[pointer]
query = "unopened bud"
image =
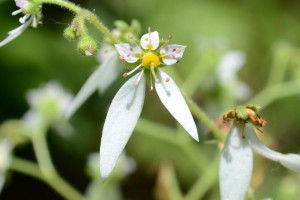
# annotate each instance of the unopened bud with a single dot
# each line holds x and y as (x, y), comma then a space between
(87, 46)
(121, 25)
(70, 33)
(136, 27)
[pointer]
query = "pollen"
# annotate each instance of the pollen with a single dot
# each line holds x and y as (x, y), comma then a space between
(150, 59)
(163, 55)
(149, 47)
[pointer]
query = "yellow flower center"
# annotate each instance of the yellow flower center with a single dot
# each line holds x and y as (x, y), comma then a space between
(150, 59)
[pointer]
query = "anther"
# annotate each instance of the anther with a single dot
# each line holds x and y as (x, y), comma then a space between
(130, 36)
(139, 78)
(151, 89)
(170, 37)
(125, 75)
(167, 79)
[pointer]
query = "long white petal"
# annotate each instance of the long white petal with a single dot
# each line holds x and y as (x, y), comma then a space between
(290, 161)
(120, 121)
(236, 165)
(173, 100)
(110, 72)
(14, 33)
(2, 182)
(101, 78)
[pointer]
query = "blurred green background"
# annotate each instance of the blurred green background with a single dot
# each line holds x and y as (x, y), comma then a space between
(268, 32)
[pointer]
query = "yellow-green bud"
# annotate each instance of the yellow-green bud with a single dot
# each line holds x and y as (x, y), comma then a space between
(70, 33)
(121, 25)
(87, 46)
(136, 27)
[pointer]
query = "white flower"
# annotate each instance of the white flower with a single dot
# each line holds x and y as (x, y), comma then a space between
(230, 63)
(106, 73)
(127, 105)
(49, 102)
(26, 21)
(237, 161)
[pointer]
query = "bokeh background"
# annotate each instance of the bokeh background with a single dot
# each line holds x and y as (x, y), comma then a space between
(266, 32)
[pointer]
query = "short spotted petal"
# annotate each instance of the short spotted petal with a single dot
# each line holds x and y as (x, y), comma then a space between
(150, 41)
(171, 54)
(130, 53)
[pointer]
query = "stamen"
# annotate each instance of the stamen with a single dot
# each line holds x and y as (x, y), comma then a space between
(153, 72)
(16, 12)
(130, 72)
(34, 23)
(24, 18)
(170, 37)
(139, 78)
(151, 84)
(167, 79)
(130, 36)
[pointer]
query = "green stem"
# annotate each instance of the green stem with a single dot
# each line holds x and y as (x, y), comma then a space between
(274, 92)
(48, 170)
(154, 130)
(42, 153)
(58, 184)
(205, 181)
(201, 116)
(88, 15)
(26, 167)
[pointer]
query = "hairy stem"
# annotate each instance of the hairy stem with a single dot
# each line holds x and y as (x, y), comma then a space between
(88, 15)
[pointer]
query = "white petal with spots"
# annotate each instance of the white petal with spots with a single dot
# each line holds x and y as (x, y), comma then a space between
(173, 100)
(130, 53)
(150, 41)
(171, 54)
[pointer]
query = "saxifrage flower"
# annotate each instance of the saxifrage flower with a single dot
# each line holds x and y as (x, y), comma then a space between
(148, 56)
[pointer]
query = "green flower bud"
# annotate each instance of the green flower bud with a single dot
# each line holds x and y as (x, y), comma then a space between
(15, 130)
(70, 33)
(135, 27)
(87, 46)
(121, 25)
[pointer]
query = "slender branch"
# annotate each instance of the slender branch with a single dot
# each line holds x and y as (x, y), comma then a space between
(205, 181)
(88, 15)
(274, 92)
(48, 170)
(201, 116)
(58, 184)
(26, 167)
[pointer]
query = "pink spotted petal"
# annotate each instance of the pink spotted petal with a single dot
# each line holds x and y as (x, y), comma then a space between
(150, 41)
(171, 54)
(130, 53)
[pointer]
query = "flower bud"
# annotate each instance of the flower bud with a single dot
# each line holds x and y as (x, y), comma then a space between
(121, 25)
(136, 27)
(70, 33)
(87, 46)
